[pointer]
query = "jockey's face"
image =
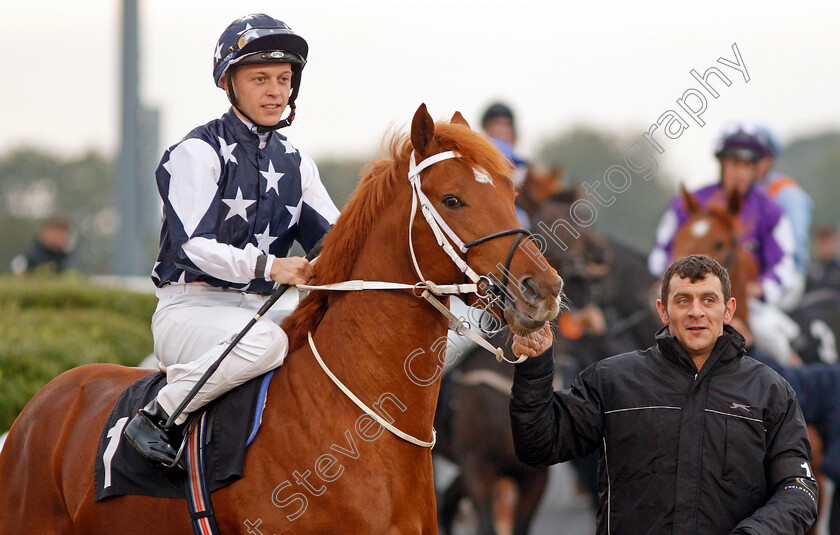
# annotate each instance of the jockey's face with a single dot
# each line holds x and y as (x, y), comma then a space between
(262, 90)
(696, 313)
(501, 128)
(736, 174)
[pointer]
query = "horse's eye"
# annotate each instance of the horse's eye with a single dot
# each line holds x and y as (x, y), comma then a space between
(452, 202)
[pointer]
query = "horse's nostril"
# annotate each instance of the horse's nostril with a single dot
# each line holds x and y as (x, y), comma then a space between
(530, 290)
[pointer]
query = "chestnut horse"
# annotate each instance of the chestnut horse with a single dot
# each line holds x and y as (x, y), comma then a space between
(319, 465)
(716, 231)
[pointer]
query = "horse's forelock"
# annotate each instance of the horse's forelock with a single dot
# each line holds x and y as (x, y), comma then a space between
(473, 148)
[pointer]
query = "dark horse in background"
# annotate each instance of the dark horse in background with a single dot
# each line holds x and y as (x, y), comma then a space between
(716, 231)
(608, 313)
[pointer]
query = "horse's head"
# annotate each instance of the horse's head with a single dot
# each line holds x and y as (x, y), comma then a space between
(446, 188)
(540, 185)
(716, 231)
(472, 194)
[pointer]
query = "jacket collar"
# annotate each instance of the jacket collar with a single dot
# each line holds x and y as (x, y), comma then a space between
(729, 346)
(245, 132)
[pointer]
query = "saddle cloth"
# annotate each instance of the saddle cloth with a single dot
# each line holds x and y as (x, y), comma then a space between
(121, 470)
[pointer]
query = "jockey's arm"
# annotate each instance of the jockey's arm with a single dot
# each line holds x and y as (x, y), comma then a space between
(660, 256)
(779, 274)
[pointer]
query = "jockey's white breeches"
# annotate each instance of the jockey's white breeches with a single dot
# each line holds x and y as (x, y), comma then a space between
(192, 326)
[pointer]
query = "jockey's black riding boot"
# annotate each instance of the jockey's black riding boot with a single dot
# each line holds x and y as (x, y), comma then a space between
(146, 432)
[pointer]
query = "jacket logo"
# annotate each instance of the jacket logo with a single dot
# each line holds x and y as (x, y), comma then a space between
(740, 406)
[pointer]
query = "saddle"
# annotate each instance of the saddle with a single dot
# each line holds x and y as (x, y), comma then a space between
(121, 470)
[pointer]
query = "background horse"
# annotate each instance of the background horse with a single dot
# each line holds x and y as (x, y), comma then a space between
(603, 279)
(364, 480)
(715, 231)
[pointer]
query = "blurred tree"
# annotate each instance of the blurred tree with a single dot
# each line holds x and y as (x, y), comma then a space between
(340, 176)
(586, 154)
(34, 185)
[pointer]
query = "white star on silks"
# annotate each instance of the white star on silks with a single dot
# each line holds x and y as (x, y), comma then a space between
(218, 54)
(272, 178)
(227, 151)
(154, 271)
(238, 206)
(265, 239)
(289, 148)
(295, 211)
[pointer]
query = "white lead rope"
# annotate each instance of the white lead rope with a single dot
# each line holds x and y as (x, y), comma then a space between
(463, 329)
(359, 403)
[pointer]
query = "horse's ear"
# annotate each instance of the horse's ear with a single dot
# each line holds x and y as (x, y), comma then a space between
(692, 206)
(459, 119)
(422, 130)
(735, 202)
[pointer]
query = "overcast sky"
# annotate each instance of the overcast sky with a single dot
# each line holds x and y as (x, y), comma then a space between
(615, 65)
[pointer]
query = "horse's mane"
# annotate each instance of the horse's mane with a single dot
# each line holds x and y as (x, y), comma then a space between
(373, 193)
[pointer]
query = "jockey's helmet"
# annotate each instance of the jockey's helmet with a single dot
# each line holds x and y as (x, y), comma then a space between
(497, 110)
(259, 38)
(742, 142)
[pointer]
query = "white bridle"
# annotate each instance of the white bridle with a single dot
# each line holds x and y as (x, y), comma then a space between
(441, 231)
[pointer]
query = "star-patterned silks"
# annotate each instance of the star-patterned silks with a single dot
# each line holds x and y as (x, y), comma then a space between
(265, 239)
(272, 178)
(295, 211)
(289, 148)
(221, 172)
(238, 205)
(227, 151)
(154, 271)
(218, 54)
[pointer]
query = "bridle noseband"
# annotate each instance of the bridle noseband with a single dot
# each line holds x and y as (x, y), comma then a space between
(440, 227)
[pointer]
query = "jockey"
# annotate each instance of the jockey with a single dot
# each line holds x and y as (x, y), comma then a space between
(236, 194)
(499, 125)
(793, 199)
(768, 234)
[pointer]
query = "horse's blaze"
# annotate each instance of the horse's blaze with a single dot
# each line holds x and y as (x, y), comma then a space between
(700, 228)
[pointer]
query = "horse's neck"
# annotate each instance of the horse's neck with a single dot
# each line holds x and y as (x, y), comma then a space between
(380, 343)
(387, 341)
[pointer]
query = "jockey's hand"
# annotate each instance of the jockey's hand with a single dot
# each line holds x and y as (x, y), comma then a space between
(534, 344)
(292, 270)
